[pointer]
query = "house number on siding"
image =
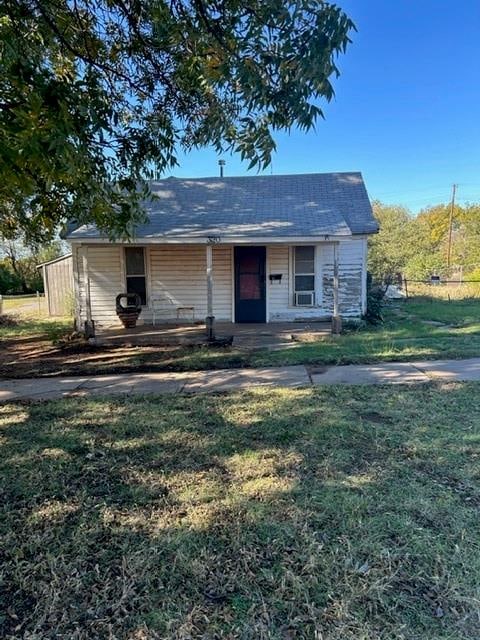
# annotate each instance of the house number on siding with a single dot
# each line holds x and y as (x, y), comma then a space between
(213, 239)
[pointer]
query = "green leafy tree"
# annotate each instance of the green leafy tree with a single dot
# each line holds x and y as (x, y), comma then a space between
(436, 220)
(9, 282)
(424, 264)
(466, 244)
(417, 246)
(18, 264)
(50, 251)
(391, 248)
(99, 95)
(433, 225)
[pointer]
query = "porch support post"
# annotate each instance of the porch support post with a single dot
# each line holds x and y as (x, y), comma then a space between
(89, 324)
(210, 320)
(336, 319)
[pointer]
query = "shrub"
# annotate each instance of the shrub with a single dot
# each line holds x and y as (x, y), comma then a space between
(421, 267)
(7, 321)
(9, 282)
(375, 301)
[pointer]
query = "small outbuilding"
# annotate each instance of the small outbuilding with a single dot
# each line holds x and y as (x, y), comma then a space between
(58, 285)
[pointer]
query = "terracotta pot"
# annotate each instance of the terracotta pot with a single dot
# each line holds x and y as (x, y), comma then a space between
(129, 312)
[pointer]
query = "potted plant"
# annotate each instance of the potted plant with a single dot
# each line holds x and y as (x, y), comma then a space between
(129, 307)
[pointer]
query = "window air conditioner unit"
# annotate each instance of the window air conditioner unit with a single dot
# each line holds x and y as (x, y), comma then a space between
(304, 298)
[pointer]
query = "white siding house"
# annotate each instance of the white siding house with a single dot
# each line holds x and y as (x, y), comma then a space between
(281, 248)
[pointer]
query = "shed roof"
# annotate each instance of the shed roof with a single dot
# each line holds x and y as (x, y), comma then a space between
(59, 259)
(283, 206)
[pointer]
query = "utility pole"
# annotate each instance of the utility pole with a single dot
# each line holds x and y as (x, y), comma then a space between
(450, 225)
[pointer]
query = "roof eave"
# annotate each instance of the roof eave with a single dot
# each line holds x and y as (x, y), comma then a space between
(220, 239)
(59, 259)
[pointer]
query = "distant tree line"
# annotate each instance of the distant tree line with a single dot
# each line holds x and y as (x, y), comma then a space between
(18, 265)
(417, 246)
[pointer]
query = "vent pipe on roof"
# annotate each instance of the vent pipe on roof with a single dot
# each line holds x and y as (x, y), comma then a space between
(221, 164)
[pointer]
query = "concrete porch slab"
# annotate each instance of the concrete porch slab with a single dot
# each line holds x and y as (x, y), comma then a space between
(249, 337)
(148, 335)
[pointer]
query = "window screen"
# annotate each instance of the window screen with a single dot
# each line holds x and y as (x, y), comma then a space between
(304, 269)
(135, 272)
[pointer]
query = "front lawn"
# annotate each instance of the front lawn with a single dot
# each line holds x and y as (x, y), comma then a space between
(340, 514)
(419, 329)
(17, 328)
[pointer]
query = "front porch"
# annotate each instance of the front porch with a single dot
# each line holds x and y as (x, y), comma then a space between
(264, 284)
(278, 335)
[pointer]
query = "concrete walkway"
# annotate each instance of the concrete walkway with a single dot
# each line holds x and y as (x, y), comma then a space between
(231, 379)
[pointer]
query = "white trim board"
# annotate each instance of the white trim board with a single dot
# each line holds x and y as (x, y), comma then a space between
(227, 241)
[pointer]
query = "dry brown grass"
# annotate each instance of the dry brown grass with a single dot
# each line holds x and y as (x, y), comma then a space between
(460, 291)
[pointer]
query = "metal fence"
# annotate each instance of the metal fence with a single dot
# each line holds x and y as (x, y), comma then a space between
(38, 298)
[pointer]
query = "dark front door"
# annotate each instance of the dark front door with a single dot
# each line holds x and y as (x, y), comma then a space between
(250, 303)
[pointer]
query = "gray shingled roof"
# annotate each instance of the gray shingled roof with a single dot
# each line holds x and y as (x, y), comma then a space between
(316, 204)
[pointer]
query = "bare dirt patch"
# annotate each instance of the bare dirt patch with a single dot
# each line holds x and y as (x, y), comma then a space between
(33, 356)
(37, 356)
(375, 417)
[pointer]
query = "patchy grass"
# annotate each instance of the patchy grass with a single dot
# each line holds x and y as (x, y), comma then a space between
(36, 329)
(339, 513)
(405, 335)
(461, 312)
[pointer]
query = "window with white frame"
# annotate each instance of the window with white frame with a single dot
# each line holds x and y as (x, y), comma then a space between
(135, 272)
(304, 276)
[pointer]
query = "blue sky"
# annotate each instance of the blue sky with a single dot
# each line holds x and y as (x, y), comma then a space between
(407, 107)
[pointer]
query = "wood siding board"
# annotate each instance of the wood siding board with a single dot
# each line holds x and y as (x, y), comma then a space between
(351, 272)
(106, 283)
(177, 274)
(58, 281)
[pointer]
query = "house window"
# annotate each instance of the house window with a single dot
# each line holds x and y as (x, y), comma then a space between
(135, 273)
(304, 276)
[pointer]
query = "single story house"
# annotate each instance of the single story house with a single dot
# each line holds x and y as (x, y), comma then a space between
(242, 249)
